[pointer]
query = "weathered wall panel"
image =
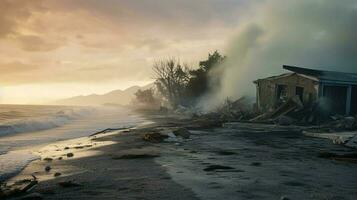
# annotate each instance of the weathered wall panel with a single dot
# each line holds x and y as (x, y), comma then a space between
(266, 89)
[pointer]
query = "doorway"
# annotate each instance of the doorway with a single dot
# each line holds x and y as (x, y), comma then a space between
(335, 97)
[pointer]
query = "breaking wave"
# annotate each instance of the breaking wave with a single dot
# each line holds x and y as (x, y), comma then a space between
(43, 122)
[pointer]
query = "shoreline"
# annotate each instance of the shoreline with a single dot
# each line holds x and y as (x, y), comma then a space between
(17, 149)
(56, 158)
(35, 150)
(244, 161)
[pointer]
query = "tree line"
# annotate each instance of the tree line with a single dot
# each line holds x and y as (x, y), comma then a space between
(179, 84)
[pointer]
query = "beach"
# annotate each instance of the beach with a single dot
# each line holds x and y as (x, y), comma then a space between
(92, 170)
(240, 161)
(27, 128)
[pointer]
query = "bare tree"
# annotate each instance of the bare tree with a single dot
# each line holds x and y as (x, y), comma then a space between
(171, 79)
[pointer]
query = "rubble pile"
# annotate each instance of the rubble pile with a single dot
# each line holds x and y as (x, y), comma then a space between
(338, 124)
(237, 110)
(294, 112)
(173, 134)
(286, 114)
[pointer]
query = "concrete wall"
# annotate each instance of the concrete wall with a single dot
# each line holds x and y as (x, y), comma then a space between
(266, 90)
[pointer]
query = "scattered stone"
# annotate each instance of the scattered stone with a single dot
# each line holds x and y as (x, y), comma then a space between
(57, 174)
(154, 137)
(48, 168)
(48, 159)
(70, 155)
(32, 196)
(217, 167)
(66, 148)
(182, 132)
(60, 158)
(68, 184)
(135, 156)
(256, 164)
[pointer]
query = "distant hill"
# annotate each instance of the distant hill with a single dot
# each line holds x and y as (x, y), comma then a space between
(115, 97)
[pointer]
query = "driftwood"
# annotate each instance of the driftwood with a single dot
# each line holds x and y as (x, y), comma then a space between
(108, 130)
(16, 190)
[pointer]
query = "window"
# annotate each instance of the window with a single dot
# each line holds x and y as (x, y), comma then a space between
(300, 92)
(281, 94)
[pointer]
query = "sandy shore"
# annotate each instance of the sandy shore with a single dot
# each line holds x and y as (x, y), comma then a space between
(248, 161)
(97, 171)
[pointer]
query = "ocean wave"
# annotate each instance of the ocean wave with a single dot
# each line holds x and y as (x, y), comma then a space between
(13, 162)
(54, 120)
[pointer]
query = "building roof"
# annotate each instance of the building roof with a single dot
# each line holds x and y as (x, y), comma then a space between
(277, 76)
(325, 76)
(284, 76)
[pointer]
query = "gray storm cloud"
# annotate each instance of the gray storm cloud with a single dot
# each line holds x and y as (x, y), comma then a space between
(316, 34)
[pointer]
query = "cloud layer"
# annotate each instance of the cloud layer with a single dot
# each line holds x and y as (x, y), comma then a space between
(91, 41)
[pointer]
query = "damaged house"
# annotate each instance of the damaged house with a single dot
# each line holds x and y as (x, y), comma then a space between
(335, 92)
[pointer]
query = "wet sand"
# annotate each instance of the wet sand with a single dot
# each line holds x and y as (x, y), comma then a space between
(247, 161)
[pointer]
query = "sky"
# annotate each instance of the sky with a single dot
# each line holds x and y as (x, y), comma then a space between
(55, 49)
(51, 49)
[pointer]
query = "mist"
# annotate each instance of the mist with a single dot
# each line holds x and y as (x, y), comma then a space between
(316, 34)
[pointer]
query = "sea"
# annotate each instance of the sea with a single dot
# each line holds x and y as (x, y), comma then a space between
(25, 127)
